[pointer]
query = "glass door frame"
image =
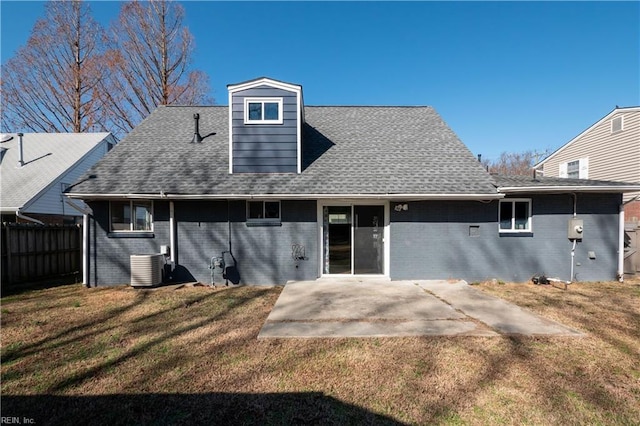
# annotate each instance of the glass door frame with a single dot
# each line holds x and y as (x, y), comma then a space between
(386, 235)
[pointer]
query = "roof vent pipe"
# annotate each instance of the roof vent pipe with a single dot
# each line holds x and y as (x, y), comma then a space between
(196, 133)
(21, 157)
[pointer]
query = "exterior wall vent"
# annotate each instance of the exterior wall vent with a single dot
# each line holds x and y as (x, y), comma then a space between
(147, 269)
(617, 124)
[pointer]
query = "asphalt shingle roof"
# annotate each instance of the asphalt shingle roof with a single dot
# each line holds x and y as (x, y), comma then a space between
(347, 150)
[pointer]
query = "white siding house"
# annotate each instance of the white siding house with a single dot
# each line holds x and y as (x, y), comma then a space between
(608, 150)
(33, 177)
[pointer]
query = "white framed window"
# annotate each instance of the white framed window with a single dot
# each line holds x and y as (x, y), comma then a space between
(617, 124)
(131, 216)
(263, 111)
(263, 211)
(514, 215)
(576, 169)
(573, 169)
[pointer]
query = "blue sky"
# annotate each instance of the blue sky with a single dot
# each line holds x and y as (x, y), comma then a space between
(505, 76)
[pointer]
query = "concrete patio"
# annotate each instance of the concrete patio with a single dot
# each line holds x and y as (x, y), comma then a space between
(377, 307)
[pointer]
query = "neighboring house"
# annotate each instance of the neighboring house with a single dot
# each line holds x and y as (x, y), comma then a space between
(282, 191)
(35, 169)
(608, 150)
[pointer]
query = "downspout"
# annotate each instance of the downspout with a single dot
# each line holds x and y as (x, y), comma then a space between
(85, 250)
(30, 219)
(573, 247)
(86, 212)
(172, 235)
(620, 274)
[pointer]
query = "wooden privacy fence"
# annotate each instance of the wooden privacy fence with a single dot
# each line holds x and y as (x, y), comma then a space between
(34, 252)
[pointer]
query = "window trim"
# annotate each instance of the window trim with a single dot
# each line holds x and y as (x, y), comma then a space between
(583, 169)
(573, 168)
(131, 218)
(513, 202)
(262, 101)
(264, 220)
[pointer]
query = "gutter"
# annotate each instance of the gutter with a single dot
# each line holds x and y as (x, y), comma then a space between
(30, 219)
(564, 189)
(394, 197)
(83, 210)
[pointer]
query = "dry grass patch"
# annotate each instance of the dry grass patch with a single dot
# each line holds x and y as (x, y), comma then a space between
(118, 355)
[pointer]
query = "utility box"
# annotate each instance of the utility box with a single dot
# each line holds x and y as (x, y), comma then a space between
(576, 229)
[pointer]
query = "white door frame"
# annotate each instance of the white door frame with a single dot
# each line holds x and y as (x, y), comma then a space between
(386, 240)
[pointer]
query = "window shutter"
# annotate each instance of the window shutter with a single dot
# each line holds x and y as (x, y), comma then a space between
(563, 170)
(583, 172)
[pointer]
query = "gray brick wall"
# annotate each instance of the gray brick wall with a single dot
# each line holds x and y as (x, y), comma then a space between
(433, 240)
(262, 253)
(110, 255)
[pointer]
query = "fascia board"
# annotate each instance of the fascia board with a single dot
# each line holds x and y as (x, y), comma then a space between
(262, 81)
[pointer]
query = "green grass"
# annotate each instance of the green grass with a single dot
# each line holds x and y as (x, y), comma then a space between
(191, 356)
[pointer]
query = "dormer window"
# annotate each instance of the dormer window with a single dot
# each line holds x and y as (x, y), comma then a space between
(266, 119)
(263, 111)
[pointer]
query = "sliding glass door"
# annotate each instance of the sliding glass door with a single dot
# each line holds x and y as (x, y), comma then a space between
(353, 239)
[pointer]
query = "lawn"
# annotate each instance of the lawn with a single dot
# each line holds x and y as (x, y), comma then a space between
(72, 355)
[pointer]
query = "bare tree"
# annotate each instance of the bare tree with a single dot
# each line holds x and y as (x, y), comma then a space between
(512, 163)
(50, 84)
(149, 63)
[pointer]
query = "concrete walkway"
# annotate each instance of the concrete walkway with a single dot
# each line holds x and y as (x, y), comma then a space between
(376, 307)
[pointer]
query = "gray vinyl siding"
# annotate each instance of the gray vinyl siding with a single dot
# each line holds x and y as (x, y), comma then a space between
(432, 241)
(612, 156)
(109, 256)
(260, 148)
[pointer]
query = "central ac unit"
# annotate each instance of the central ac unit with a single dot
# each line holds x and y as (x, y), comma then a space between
(147, 269)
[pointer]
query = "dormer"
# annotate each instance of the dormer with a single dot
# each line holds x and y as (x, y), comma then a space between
(265, 127)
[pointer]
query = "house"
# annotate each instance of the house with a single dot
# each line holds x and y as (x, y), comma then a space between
(608, 150)
(267, 190)
(35, 169)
